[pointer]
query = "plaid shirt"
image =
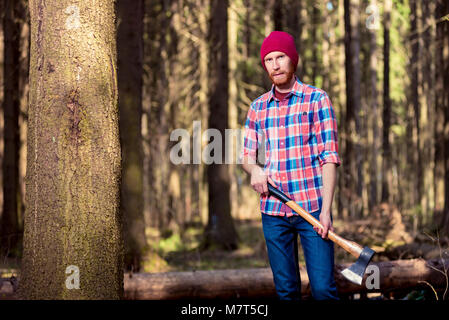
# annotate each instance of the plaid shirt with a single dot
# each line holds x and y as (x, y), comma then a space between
(295, 138)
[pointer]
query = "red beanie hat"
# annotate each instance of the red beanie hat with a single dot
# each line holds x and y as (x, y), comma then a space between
(279, 41)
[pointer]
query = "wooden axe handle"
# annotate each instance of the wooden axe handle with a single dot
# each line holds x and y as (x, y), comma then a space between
(350, 246)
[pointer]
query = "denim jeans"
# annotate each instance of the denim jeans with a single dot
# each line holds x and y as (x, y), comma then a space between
(281, 234)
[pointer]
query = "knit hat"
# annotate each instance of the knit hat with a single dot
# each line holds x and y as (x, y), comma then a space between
(279, 41)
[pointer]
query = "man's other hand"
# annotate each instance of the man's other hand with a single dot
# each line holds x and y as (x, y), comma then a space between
(326, 221)
(259, 180)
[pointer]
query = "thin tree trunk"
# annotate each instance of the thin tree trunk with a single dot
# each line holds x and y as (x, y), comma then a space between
(220, 230)
(428, 114)
(341, 194)
(326, 49)
(129, 42)
(416, 167)
(23, 115)
(444, 11)
(439, 110)
(233, 25)
(294, 26)
(353, 78)
(204, 57)
(315, 40)
(9, 224)
(278, 17)
(159, 123)
(72, 222)
(372, 198)
(386, 112)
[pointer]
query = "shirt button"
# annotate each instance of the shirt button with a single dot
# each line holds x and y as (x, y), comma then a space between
(282, 143)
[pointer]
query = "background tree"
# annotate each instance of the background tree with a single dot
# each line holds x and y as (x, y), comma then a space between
(10, 226)
(386, 110)
(73, 169)
(443, 51)
(130, 63)
(353, 152)
(220, 229)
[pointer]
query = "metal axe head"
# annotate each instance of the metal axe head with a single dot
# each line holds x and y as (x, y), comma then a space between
(355, 272)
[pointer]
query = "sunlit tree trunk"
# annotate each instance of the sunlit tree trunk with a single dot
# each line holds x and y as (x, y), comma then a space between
(72, 221)
(427, 107)
(233, 26)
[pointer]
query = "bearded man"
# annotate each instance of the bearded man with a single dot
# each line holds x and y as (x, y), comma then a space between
(295, 127)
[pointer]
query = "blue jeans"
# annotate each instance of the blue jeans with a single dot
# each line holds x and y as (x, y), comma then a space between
(281, 234)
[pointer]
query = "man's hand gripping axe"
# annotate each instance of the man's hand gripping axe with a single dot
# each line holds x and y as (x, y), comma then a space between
(363, 254)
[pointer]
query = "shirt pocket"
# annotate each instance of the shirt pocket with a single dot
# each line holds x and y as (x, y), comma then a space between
(303, 126)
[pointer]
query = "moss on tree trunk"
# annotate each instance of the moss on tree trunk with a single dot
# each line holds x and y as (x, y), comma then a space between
(73, 158)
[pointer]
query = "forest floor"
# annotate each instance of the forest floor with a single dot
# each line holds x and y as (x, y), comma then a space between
(385, 230)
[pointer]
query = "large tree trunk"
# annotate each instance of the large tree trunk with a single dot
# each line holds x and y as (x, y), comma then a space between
(130, 49)
(14, 16)
(72, 222)
(220, 229)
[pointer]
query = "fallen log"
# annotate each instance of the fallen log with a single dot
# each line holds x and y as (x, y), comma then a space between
(258, 283)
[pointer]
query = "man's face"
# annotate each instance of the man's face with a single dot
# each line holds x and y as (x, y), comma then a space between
(279, 67)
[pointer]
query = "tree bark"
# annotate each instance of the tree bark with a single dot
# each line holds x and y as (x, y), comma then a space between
(220, 229)
(72, 220)
(130, 49)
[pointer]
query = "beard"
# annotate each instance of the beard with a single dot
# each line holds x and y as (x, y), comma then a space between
(283, 76)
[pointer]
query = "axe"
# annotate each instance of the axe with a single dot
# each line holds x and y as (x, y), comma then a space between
(355, 272)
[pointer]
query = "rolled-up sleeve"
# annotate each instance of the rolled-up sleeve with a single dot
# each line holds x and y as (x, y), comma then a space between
(326, 131)
(250, 141)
